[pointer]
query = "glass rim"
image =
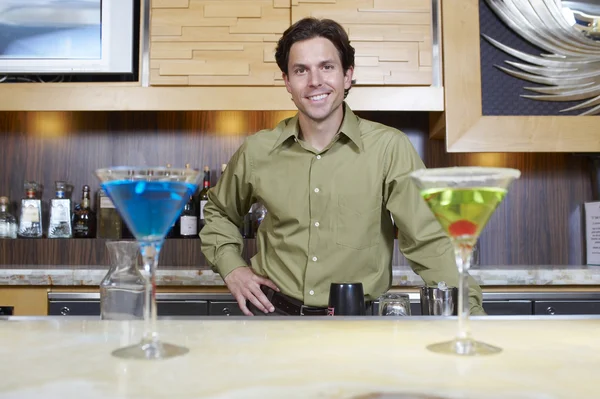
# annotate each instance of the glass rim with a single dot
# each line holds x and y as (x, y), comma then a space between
(157, 173)
(125, 168)
(464, 174)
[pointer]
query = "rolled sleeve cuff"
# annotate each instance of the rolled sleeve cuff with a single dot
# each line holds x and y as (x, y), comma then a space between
(228, 262)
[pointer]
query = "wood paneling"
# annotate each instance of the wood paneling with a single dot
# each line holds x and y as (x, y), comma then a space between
(392, 39)
(27, 301)
(213, 43)
(540, 221)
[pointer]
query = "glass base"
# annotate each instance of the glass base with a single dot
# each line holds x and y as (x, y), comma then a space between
(150, 350)
(464, 347)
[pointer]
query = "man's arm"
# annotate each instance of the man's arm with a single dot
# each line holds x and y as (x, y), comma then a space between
(222, 243)
(420, 237)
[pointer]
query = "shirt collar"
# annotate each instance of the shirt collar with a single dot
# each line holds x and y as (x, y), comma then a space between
(350, 128)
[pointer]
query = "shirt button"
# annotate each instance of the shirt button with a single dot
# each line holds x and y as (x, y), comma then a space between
(318, 157)
(316, 224)
(314, 259)
(311, 292)
(317, 190)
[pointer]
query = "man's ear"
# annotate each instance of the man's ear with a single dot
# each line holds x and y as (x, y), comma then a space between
(287, 82)
(348, 78)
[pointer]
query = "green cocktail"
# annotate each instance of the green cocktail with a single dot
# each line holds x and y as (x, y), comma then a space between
(463, 212)
(463, 199)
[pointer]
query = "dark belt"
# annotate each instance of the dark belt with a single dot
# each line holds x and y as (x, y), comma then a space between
(291, 306)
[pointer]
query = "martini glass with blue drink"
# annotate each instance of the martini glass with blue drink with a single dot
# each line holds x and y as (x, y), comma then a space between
(149, 200)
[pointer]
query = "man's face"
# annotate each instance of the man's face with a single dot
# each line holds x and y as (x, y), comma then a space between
(316, 79)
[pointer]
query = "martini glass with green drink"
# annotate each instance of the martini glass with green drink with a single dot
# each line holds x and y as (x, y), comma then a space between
(463, 199)
(149, 200)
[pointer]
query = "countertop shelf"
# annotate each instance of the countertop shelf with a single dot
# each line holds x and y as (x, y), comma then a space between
(83, 253)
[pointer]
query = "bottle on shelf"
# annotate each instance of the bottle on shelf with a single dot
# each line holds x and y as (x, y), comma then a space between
(187, 222)
(173, 230)
(109, 223)
(248, 224)
(223, 167)
(84, 219)
(30, 222)
(8, 223)
(203, 197)
(59, 225)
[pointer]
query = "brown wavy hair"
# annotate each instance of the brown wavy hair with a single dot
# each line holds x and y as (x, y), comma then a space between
(308, 28)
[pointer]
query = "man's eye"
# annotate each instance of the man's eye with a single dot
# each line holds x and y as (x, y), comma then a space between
(328, 66)
(300, 70)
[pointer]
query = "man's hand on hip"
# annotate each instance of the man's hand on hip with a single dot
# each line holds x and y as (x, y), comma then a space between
(244, 284)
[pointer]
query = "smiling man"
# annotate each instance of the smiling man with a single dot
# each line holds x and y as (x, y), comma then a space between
(331, 183)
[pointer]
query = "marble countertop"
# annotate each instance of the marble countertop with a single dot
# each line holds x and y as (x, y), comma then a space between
(321, 358)
(402, 276)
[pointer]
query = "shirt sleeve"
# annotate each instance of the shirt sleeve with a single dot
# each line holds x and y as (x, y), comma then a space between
(228, 202)
(420, 237)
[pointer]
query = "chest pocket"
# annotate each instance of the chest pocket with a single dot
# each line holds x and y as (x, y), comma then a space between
(358, 220)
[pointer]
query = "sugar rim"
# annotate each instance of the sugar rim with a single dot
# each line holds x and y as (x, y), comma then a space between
(461, 174)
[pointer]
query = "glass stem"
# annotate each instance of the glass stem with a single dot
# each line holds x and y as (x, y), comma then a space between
(463, 253)
(150, 253)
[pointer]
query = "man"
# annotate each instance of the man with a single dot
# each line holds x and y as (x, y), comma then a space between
(330, 182)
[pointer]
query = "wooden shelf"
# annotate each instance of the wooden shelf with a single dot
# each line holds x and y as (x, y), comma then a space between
(128, 97)
(85, 253)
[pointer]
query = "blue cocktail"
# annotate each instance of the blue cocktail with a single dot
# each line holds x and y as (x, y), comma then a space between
(149, 200)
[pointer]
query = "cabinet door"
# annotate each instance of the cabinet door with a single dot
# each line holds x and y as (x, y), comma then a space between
(566, 307)
(212, 42)
(392, 38)
(508, 308)
(181, 308)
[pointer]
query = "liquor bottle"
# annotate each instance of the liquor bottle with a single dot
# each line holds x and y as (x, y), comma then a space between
(174, 229)
(84, 219)
(187, 222)
(30, 222)
(8, 223)
(59, 225)
(109, 223)
(203, 196)
(247, 229)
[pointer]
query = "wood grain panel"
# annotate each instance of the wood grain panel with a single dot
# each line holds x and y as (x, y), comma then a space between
(232, 37)
(394, 35)
(27, 301)
(540, 221)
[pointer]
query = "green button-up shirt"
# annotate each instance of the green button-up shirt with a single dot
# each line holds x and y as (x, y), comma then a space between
(328, 212)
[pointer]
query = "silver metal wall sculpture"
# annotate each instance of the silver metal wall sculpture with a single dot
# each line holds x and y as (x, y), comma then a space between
(569, 32)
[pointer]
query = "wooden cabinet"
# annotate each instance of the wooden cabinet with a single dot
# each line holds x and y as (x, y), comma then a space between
(392, 39)
(215, 43)
(25, 301)
(204, 42)
(219, 55)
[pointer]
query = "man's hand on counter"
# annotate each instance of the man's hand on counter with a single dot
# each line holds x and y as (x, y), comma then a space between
(244, 285)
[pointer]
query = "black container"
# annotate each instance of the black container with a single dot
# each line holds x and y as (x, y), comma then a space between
(346, 299)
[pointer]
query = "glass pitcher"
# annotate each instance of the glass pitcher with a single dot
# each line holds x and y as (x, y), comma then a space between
(122, 289)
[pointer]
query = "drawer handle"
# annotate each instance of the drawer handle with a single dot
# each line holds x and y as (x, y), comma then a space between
(550, 310)
(65, 311)
(226, 311)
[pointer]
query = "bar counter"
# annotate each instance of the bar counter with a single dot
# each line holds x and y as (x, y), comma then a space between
(331, 357)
